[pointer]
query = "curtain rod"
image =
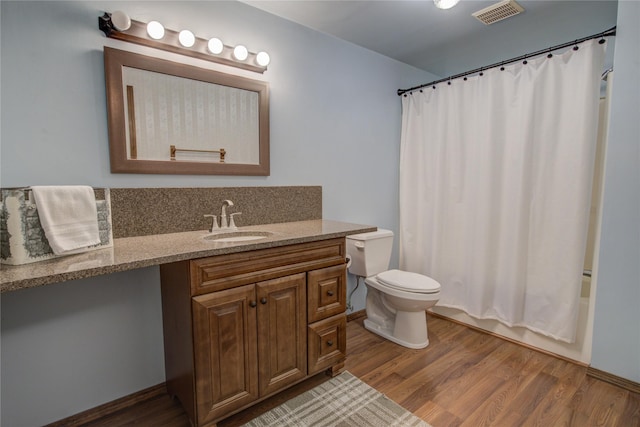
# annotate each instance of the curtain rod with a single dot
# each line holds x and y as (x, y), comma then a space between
(602, 35)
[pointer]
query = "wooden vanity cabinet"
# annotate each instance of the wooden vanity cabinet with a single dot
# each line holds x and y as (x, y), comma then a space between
(241, 327)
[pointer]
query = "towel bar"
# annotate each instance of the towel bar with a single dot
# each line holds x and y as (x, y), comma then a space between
(173, 149)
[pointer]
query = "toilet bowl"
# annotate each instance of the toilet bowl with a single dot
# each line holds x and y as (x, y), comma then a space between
(397, 300)
(400, 314)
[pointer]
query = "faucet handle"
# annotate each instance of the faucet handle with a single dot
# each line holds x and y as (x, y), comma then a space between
(232, 224)
(214, 223)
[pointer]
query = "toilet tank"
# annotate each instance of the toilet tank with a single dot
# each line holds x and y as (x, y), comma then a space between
(369, 252)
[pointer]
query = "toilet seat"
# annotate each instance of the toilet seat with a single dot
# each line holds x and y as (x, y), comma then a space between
(408, 282)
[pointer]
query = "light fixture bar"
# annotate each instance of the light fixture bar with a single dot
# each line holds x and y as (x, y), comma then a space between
(137, 33)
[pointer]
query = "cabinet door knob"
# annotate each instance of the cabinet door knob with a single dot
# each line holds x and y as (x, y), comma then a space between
(263, 300)
(253, 303)
(330, 293)
(329, 343)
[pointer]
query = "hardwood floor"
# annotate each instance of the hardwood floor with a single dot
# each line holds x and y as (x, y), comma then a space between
(464, 378)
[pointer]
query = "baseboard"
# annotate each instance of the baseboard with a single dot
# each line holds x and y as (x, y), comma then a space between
(614, 379)
(356, 315)
(109, 408)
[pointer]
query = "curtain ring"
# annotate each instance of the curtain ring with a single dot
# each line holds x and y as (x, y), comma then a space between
(502, 67)
(576, 46)
(481, 72)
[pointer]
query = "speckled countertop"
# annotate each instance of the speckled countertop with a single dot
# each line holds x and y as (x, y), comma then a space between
(137, 252)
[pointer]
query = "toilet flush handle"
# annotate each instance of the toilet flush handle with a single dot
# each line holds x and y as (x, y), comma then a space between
(359, 245)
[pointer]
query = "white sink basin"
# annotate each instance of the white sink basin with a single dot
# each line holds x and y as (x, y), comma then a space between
(238, 236)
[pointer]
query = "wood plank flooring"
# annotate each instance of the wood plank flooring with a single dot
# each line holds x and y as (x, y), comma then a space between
(463, 378)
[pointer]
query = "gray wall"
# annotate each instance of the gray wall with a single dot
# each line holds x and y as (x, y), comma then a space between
(335, 122)
(616, 335)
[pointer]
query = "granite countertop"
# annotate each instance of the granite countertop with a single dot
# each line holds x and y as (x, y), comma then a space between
(137, 252)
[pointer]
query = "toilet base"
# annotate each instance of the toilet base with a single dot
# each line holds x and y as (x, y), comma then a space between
(408, 330)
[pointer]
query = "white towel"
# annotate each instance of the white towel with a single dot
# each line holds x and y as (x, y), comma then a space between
(68, 215)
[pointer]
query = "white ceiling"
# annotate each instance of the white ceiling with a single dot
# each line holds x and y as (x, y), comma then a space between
(447, 42)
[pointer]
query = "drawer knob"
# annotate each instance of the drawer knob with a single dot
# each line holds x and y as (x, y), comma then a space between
(330, 293)
(329, 343)
(253, 303)
(263, 300)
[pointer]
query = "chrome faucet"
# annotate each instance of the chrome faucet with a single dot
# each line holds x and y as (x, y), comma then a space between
(223, 216)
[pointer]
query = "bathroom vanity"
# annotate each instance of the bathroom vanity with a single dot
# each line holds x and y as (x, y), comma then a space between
(241, 327)
(242, 320)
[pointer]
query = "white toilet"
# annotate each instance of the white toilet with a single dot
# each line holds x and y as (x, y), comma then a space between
(396, 300)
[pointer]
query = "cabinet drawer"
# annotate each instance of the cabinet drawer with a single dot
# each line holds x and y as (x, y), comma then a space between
(327, 343)
(232, 270)
(327, 293)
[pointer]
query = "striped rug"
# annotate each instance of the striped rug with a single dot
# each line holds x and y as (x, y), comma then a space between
(343, 401)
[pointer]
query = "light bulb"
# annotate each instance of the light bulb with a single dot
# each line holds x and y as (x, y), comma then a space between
(263, 59)
(155, 30)
(186, 38)
(240, 52)
(120, 20)
(215, 46)
(445, 4)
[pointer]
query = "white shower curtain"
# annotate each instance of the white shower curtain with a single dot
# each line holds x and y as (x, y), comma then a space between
(495, 185)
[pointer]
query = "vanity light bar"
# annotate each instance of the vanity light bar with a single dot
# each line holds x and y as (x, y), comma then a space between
(119, 26)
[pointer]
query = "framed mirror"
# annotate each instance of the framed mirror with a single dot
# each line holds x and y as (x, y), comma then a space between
(170, 118)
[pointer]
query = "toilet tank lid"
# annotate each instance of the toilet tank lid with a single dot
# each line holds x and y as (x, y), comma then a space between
(380, 233)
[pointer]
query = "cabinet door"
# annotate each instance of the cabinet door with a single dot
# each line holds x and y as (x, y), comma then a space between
(224, 327)
(282, 332)
(327, 292)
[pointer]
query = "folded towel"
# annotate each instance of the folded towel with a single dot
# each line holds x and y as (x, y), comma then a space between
(68, 215)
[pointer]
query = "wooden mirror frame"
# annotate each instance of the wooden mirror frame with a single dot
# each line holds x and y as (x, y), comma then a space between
(115, 60)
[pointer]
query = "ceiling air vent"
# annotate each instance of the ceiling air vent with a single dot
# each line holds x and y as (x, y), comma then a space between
(498, 12)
